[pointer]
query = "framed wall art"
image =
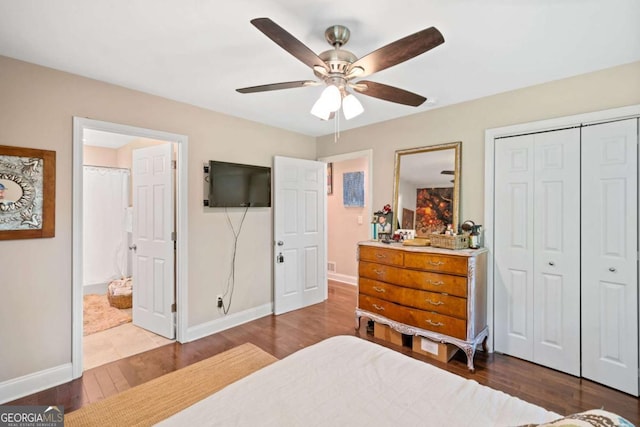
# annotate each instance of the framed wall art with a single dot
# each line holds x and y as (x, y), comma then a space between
(353, 189)
(329, 178)
(27, 193)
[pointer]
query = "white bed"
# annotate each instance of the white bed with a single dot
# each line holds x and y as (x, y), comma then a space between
(347, 381)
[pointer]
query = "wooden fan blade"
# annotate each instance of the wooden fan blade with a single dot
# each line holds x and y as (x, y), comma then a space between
(399, 51)
(278, 86)
(289, 43)
(388, 93)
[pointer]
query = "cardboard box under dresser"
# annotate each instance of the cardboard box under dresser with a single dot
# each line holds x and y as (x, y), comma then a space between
(439, 294)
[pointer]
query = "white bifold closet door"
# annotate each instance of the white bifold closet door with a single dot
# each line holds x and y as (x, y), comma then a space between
(610, 254)
(537, 248)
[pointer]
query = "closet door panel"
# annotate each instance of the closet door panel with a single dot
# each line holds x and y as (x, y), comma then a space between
(556, 289)
(610, 254)
(514, 247)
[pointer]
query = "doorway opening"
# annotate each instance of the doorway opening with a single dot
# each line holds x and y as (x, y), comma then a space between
(346, 226)
(105, 256)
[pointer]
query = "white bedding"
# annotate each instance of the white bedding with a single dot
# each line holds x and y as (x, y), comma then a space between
(347, 381)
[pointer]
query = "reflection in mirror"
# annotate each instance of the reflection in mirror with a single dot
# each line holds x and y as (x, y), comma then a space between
(426, 188)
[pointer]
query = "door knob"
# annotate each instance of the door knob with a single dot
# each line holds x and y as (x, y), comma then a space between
(280, 243)
(133, 247)
(551, 263)
(611, 269)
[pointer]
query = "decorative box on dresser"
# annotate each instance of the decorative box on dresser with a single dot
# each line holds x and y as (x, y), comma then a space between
(439, 294)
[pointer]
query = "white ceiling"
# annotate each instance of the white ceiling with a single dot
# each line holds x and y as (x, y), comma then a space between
(199, 51)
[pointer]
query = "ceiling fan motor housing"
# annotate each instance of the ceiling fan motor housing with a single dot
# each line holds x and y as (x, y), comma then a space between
(337, 60)
(337, 35)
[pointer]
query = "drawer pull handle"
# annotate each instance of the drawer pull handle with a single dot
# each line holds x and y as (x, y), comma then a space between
(378, 272)
(438, 283)
(432, 323)
(381, 255)
(434, 302)
(380, 290)
(377, 307)
(436, 263)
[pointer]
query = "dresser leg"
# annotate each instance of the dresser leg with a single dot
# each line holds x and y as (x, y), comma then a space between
(470, 352)
(357, 322)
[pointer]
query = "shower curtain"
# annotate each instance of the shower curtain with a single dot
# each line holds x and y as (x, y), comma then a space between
(105, 239)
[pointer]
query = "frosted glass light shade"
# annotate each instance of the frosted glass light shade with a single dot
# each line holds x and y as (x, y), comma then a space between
(328, 102)
(320, 111)
(351, 107)
(332, 97)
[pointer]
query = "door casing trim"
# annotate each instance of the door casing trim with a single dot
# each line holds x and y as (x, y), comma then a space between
(79, 125)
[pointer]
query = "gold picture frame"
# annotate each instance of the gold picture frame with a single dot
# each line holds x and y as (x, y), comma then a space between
(27, 193)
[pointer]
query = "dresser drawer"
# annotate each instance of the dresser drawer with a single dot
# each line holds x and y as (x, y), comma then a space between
(431, 321)
(434, 282)
(440, 323)
(431, 301)
(380, 272)
(436, 262)
(382, 256)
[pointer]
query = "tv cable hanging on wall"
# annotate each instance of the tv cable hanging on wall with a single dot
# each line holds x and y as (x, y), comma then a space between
(232, 272)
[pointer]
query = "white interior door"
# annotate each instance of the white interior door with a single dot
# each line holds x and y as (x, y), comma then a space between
(556, 259)
(513, 257)
(537, 248)
(300, 236)
(153, 224)
(610, 254)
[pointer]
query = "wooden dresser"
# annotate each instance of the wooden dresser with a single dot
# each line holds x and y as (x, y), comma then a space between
(434, 293)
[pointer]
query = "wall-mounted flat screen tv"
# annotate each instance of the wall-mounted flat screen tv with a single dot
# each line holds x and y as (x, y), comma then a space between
(238, 185)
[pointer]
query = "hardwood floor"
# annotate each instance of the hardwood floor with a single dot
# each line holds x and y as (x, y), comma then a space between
(284, 334)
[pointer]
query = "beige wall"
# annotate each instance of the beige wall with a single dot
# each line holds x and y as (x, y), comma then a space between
(344, 232)
(36, 109)
(467, 122)
(100, 156)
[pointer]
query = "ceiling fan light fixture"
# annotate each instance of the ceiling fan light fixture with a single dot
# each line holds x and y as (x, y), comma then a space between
(332, 98)
(351, 107)
(329, 102)
(320, 111)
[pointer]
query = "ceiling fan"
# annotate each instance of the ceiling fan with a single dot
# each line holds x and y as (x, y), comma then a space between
(337, 68)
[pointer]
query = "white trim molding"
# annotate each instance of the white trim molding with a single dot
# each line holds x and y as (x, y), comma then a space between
(214, 326)
(181, 141)
(343, 278)
(16, 388)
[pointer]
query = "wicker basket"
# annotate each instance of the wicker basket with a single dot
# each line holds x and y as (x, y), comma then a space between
(118, 301)
(460, 241)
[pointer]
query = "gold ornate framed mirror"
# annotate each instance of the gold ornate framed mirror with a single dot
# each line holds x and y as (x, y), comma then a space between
(426, 190)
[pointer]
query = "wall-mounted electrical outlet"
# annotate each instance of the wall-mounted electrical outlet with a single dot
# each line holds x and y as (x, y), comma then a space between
(219, 301)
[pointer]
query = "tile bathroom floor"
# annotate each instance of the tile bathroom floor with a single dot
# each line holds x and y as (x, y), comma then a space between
(119, 342)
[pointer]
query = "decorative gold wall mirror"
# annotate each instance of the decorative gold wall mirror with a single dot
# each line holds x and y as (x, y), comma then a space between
(426, 188)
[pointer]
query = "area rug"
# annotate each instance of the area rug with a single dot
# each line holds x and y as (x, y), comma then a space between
(98, 315)
(153, 401)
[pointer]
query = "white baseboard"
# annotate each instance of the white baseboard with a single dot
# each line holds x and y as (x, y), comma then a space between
(32, 383)
(350, 280)
(227, 322)
(96, 288)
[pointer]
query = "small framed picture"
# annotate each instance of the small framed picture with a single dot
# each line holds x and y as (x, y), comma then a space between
(383, 223)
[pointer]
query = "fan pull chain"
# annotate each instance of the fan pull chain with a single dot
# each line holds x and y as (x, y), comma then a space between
(336, 127)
